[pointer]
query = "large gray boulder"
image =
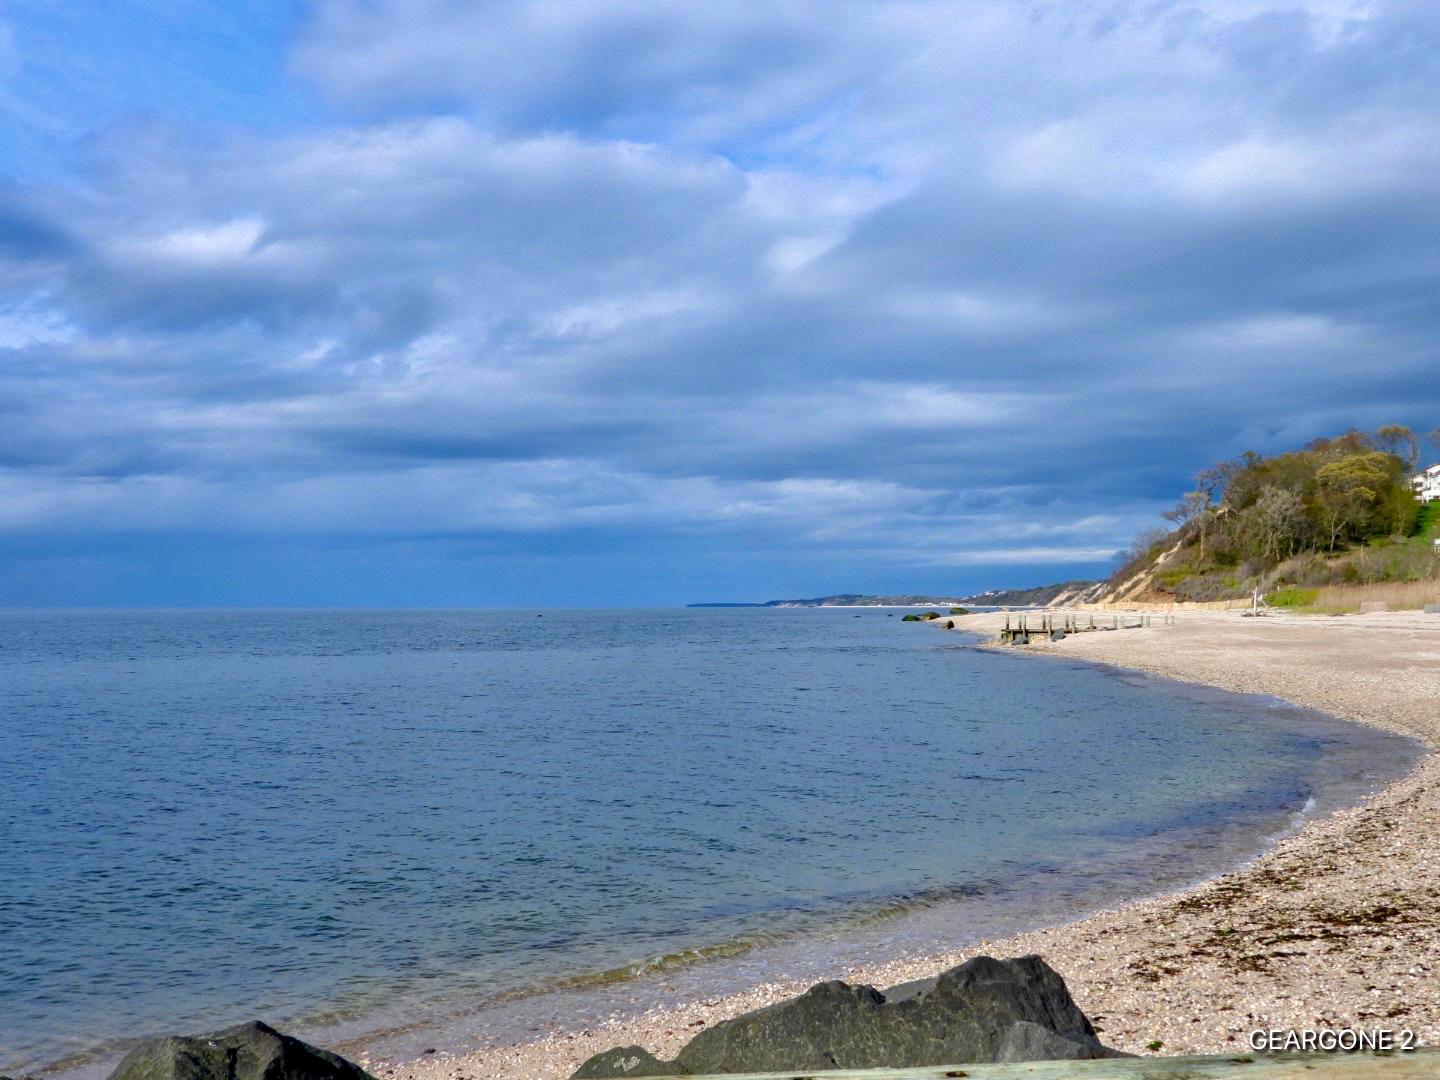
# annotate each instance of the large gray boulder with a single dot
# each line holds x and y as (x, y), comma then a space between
(983, 1010)
(251, 1051)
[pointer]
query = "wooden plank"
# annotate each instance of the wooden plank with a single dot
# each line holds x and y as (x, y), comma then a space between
(1420, 1064)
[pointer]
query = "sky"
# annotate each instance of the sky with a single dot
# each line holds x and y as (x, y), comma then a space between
(545, 302)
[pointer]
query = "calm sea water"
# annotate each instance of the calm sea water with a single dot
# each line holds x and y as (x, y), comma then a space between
(336, 820)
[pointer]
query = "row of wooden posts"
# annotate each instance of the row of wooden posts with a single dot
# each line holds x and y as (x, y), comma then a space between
(1020, 627)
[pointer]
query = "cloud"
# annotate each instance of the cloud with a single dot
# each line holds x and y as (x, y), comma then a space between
(1048, 556)
(630, 68)
(865, 289)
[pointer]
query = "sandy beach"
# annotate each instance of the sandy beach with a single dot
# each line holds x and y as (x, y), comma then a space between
(1337, 926)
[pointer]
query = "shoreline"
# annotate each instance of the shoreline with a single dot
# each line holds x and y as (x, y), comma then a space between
(1310, 933)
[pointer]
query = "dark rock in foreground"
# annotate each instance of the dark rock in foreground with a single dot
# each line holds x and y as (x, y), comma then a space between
(983, 1010)
(249, 1052)
(624, 1061)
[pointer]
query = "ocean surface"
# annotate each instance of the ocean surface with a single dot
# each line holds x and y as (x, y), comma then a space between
(461, 826)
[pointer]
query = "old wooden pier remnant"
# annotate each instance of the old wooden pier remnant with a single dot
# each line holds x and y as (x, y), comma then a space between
(1022, 626)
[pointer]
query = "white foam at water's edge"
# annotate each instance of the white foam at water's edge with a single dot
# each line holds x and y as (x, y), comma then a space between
(1297, 819)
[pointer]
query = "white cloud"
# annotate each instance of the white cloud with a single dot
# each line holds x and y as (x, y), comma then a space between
(606, 316)
(1273, 331)
(34, 320)
(1354, 155)
(228, 242)
(1019, 554)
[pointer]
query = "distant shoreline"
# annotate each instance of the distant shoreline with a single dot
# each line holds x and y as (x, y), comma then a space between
(843, 602)
(778, 605)
(1032, 596)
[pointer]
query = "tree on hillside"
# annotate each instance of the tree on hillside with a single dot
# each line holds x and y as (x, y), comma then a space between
(1144, 544)
(1399, 440)
(1275, 526)
(1347, 491)
(1248, 515)
(1141, 550)
(1213, 482)
(1190, 507)
(1195, 511)
(1353, 441)
(1434, 438)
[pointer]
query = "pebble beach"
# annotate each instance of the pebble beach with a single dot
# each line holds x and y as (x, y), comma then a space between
(1337, 926)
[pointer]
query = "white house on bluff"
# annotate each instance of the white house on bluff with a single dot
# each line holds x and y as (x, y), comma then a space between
(1427, 484)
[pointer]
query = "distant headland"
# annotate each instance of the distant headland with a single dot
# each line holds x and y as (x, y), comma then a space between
(1032, 597)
